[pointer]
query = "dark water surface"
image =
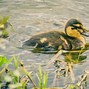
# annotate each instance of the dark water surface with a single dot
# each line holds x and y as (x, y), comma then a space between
(31, 16)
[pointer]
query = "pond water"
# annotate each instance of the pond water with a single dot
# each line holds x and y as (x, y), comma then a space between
(29, 17)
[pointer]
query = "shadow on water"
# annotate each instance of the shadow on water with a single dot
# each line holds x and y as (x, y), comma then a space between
(42, 50)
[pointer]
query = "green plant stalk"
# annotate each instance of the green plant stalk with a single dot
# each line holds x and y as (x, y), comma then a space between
(80, 52)
(45, 80)
(4, 60)
(16, 64)
(16, 79)
(24, 81)
(11, 26)
(40, 78)
(27, 73)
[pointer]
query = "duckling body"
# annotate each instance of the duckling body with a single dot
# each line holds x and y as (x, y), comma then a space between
(72, 39)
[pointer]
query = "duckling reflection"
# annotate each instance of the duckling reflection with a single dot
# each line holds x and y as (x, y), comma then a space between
(65, 68)
(72, 39)
(75, 57)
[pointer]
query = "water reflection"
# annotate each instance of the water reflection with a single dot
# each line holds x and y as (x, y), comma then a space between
(76, 57)
(65, 68)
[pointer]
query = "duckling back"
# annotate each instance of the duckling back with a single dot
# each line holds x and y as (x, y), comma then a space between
(49, 41)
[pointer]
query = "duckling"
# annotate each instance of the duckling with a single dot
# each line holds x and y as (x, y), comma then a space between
(72, 39)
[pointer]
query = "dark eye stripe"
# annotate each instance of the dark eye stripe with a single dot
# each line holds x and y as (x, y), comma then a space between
(79, 27)
(76, 27)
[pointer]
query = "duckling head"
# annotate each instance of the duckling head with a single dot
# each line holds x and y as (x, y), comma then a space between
(75, 29)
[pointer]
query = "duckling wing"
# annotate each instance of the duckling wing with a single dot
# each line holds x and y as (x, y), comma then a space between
(46, 41)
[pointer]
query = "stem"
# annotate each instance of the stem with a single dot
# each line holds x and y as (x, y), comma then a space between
(54, 58)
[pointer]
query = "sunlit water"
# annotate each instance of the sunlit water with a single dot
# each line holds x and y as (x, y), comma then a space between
(31, 16)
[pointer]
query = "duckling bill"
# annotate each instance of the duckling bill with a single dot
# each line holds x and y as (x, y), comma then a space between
(72, 39)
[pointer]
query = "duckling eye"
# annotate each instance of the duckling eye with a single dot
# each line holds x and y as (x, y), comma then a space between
(72, 28)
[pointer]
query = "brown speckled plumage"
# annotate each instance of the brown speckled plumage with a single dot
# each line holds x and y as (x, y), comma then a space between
(55, 40)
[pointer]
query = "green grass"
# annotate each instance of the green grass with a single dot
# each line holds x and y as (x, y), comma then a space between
(12, 78)
(19, 76)
(42, 78)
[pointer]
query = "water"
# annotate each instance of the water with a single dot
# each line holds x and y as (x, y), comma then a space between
(31, 16)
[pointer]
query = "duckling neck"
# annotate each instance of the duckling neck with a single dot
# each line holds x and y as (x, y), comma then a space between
(82, 39)
(78, 42)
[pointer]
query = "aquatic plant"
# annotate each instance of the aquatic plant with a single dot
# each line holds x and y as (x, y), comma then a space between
(5, 26)
(15, 78)
(42, 78)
